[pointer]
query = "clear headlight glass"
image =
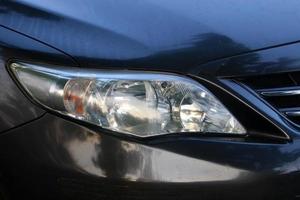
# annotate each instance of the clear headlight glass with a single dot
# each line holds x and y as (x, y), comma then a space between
(137, 103)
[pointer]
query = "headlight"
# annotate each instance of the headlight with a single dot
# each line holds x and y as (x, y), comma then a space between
(131, 102)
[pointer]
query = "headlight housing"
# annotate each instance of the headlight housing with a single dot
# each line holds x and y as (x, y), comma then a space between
(131, 102)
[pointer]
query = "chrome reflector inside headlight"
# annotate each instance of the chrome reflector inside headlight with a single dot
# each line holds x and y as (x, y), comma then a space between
(131, 102)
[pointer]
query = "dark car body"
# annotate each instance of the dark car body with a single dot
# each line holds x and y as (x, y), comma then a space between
(225, 45)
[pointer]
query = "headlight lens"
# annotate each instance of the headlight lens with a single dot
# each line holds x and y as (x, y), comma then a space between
(137, 103)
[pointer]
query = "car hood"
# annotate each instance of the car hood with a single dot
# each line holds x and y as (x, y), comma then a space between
(171, 33)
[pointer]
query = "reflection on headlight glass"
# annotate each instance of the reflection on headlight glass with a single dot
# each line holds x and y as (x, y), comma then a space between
(137, 103)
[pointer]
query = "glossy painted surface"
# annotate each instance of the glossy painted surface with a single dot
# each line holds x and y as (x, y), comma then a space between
(275, 60)
(54, 158)
(172, 35)
(79, 161)
(15, 108)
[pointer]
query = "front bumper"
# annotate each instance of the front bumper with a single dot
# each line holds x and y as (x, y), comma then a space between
(55, 158)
